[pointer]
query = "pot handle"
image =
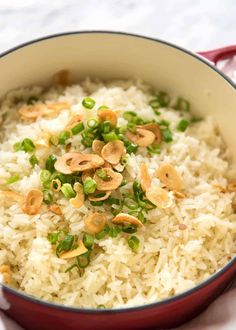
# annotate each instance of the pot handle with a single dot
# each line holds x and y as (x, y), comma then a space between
(219, 54)
(228, 54)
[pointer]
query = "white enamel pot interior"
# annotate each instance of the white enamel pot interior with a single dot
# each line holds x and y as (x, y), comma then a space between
(116, 55)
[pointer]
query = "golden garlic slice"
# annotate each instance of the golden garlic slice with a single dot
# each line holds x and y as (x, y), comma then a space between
(113, 151)
(142, 137)
(168, 175)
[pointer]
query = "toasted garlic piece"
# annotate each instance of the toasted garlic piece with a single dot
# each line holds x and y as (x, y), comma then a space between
(78, 200)
(113, 151)
(63, 163)
(43, 141)
(62, 77)
(55, 185)
(107, 165)
(219, 188)
(157, 196)
(179, 194)
(231, 187)
(97, 147)
(182, 226)
(81, 249)
(95, 223)
(145, 179)
(93, 197)
(6, 273)
(108, 115)
(142, 137)
(234, 203)
(55, 208)
(118, 167)
(83, 162)
(111, 183)
(123, 218)
(155, 129)
(74, 121)
(11, 195)
(57, 106)
(31, 112)
(33, 202)
(168, 175)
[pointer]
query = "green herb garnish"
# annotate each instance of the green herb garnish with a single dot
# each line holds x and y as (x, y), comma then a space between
(88, 103)
(133, 243)
(183, 125)
(26, 145)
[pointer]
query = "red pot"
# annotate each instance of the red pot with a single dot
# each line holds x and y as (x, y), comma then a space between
(165, 66)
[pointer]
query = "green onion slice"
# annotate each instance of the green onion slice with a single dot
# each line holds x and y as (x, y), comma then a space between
(88, 103)
(183, 125)
(67, 190)
(90, 186)
(133, 243)
(14, 178)
(33, 160)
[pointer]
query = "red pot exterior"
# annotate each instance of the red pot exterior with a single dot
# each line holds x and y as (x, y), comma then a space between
(33, 315)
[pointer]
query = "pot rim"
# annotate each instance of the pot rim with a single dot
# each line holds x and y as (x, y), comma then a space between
(165, 301)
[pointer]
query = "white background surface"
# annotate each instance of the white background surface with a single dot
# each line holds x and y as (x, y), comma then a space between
(194, 24)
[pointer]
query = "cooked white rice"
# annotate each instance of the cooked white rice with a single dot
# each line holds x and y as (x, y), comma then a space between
(169, 260)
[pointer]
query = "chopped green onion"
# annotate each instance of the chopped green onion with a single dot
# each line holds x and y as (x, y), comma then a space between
(49, 164)
(88, 103)
(123, 182)
(71, 267)
(105, 126)
(88, 240)
(111, 136)
(92, 123)
(84, 259)
(77, 128)
(154, 149)
(97, 203)
(164, 122)
(66, 244)
(103, 107)
(167, 135)
(63, 137)
(14, 178)
(129, 115)
(90, 186)
(102, 174)
(129, 229)
(26, 145)
(163, 98)
(131, 203)
(102, 233)
(101, 306)
(67, 190)
(54, 140)
(33, 160)
(132, 127)
(182, 104)
(32, 99)
(114, 231)
(54, 237)
(111, 200)
(87, 142)
(183, 125)
(47, 196)
(155, 104)
(196, 119)
(45, 176)
(133, 243)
